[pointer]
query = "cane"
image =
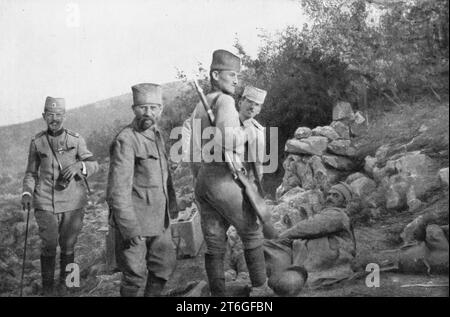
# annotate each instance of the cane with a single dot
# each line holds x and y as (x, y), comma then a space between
(24, 251)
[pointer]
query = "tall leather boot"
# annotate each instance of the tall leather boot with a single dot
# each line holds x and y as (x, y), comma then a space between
(214, 266)
(257, 270)
(154, 286)
(64, 260)
(48, 274)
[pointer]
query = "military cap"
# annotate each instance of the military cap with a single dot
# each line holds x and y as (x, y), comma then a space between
(147, 93)
(55, 105)
(224, 60)
(255, 94)
(289, 282)
(344, 189)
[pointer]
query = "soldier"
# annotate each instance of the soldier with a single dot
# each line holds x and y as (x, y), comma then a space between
(323, 244)
(141, 197)
(55, 183)
(221, 199)
(249, 106)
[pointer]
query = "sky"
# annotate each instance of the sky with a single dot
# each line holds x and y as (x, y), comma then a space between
(89, 50)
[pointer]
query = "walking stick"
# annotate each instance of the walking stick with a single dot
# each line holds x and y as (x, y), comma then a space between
(24, 251)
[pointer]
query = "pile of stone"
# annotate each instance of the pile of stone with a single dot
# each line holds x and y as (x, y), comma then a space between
(322, 156)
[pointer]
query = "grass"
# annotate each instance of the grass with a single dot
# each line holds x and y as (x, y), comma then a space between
(402, 124)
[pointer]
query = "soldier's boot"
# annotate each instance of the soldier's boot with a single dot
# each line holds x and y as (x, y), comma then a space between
(154, 286)
(257, 270)
(128, 291)
(64, 260)
(48, 275)
(214, 266)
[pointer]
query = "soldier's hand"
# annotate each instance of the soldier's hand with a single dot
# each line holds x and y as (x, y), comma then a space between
(135, 241)
(71, 170)
(26, 202)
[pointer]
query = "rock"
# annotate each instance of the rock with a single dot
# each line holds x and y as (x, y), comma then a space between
(342, 129)
(319, 172)
(291, 194)
(342, 147)
(396, 193)
(369, 164)
(363, 186)
(352, 177)
(305, 175)
(302, 133)
(443, 176)
(357, 126)
(413, 231)
(326, 131)
(342, 110)
(341, 163)
(314, 145)
(411, 200)
(422, 171)
(381, 153)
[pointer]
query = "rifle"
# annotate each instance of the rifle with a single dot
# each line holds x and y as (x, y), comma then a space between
(256, 201)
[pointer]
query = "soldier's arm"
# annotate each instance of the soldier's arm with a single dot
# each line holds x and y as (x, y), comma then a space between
(31, 173)
(173, 205)
(232, 134)
(120, 186)
(90, 165)
(320, 225)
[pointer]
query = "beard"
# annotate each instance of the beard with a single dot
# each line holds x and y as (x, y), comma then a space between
(146, 122)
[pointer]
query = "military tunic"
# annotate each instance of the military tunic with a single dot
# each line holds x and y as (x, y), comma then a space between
(141, 197)
(43, 171)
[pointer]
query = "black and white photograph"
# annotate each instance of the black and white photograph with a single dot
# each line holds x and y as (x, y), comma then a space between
(248, 151)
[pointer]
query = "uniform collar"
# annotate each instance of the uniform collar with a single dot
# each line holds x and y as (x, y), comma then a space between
(57, 133)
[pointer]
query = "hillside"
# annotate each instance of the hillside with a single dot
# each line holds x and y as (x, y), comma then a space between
(14, 139)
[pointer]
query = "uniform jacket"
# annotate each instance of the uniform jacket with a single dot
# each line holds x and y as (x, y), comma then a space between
(140, 193)
(43, 171)
(256, 149)
(323, 244)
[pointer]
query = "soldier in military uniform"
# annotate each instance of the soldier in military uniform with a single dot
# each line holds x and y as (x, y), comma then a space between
(220, 198)
(141, 198)
(250, 106)
(55, 184)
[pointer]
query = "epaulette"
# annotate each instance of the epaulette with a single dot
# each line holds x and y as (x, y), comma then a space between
(39, 135)
(257, 124)
(75, 134)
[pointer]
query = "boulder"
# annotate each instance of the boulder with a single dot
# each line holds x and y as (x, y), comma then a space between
(443, 176)
(342, 129)
(414, 231)
(305, 174)
(327, 132)
(358, 126)
(341, 163)
(396, 192)
(342, 110)
(422, 171)
(363, 186)
(342, 147)
(302, 133)
(369, 164)
(381, 153)
(289, 195)
(314, 145)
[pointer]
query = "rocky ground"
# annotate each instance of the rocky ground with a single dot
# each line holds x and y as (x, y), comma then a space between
(399, 179)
